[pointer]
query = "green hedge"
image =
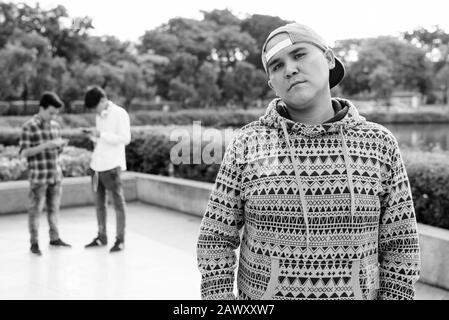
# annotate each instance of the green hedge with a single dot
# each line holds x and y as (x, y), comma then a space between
(208, 117)
(428, 173)
(66, 120)
(11, 137)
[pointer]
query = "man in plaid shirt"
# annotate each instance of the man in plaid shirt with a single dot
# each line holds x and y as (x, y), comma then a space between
(41, 144)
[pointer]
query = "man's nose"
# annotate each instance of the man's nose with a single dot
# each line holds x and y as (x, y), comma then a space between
(291, 68)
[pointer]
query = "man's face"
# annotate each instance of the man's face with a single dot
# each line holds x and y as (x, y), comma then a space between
(101, 106)
(299, 73)
(50, 113)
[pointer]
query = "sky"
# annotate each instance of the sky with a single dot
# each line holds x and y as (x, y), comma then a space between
(334, 20)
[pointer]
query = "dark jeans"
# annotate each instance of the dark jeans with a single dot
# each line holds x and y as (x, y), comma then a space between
(110, 180)
(44, 195)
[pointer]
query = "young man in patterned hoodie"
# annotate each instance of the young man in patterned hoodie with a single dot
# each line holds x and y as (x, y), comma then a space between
(320, 194)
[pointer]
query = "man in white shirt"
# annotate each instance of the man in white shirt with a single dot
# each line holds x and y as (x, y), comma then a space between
(111, 135)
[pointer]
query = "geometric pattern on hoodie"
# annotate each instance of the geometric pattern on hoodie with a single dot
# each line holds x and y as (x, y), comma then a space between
(314, 211)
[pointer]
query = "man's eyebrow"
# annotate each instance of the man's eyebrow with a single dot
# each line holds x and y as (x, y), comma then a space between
(273, 62)
(298, 49)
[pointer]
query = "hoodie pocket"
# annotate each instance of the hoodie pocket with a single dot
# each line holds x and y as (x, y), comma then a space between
(372, 282)
(304, 283)
(273, 282)
(355, 280)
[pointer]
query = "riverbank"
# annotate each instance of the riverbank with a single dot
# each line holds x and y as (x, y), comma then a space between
(225, 117)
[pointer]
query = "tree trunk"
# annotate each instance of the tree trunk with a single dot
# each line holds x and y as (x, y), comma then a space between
(447, 96)
(25, 98)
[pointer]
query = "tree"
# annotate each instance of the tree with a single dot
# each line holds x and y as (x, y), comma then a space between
(65, 42)
(182, 92)
(232, 45)
(16, 63)
(378, 58)
(381, 82)
(441, 81)
(195, 37)
(436, 44)
(131, 84)
(107, 49)
(206, 85)
(259, 27)
(243, 84)
(29, 67)
(221, 18)
(159, 41)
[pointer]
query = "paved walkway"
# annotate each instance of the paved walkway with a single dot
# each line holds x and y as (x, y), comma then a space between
(159, 261)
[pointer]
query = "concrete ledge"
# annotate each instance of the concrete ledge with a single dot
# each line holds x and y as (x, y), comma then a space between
(434, 244)
(75, 192)
(179, 194)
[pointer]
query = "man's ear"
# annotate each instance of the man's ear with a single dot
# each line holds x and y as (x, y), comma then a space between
(330, 57)
(270, 85)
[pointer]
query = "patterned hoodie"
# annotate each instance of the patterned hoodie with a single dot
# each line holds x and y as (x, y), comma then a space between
(317, 212)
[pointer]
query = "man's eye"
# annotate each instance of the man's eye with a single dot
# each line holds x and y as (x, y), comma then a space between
(277, 66)
(299, 55)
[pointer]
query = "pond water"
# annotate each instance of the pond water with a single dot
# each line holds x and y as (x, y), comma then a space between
(423, 136)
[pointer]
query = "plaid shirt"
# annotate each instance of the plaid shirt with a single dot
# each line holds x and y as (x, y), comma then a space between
(43, 167)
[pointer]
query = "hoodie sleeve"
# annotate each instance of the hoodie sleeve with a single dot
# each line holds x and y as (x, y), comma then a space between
(399, 253)
(219, 232)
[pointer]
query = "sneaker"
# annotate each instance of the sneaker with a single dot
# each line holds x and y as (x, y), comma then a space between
(59, 243)
(35, 249)
(97, 242)
(118, 246)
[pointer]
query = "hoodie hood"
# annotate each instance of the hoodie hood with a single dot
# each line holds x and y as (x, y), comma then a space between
(273, 119)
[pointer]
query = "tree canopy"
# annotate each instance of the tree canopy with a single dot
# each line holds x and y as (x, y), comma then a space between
(198, 63)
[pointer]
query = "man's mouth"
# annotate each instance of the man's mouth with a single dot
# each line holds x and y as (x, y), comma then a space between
(295, 83)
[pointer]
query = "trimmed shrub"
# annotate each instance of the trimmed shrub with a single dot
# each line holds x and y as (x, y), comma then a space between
(74, 163)
(209, 117)
(155, 153)
(10, 136)
(12, 167)
(428, 173)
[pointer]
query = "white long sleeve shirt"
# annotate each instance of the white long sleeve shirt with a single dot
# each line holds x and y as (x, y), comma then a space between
(115, 134)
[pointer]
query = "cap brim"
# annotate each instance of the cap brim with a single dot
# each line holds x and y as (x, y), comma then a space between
(337, 73)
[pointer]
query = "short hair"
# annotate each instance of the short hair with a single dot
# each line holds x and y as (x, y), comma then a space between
(50, 98)
(93, 96)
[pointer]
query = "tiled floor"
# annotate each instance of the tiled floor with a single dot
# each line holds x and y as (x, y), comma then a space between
(159, 261)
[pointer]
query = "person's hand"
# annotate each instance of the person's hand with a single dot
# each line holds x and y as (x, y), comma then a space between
(93, 133)
(52, 144)
(61, 142)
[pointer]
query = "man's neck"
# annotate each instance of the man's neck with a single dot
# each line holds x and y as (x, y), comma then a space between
(42, 118)
(316, 112)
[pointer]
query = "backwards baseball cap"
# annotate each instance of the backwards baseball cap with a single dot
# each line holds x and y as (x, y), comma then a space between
(300, 33)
